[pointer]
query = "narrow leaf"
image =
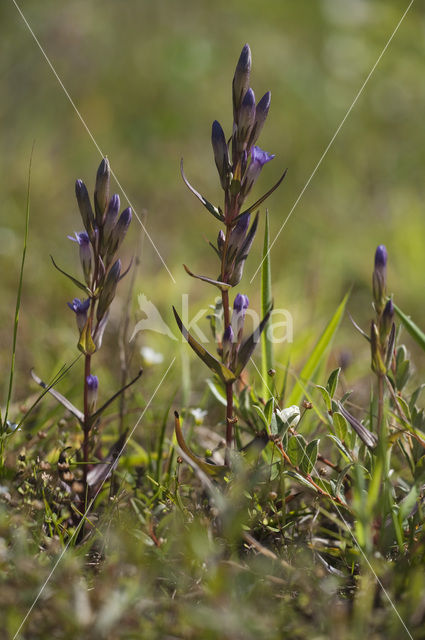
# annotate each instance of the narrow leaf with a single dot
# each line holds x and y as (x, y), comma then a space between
(74, 280)
(412, 328)
(318, 353)
(59, 397)
(264, 197)
(249, 345)
(218, 367)
(210, 207)
(210, 469)
(223, 286)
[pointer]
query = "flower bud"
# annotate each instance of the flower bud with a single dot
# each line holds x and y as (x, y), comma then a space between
(118, 233)
(261, 113)
(221, 153)
(241, 80)
(379, 279)
(108, 290)
(227, 343)
(80, 309)
(387, 319)
(101, 192)
(246, 119)
(378, 365)
(238, 233)
(240, 305)
(92, 383)
(84, 206)
(111, 217)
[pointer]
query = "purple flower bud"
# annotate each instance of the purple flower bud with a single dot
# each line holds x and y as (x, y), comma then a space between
(92, 383)
(387, 318)
(221, 153)
(227, 343)
(80, 308)
(108, 290)
(240, 305)
(261, 113)
(238, 233)
(242, 254)
(379, 278)
(246, 119)
(111, 217)
(221, 239)
(84, 206)
(241, 79)
(258, 159)
(101, 192)
(381, 257)
(118, 234)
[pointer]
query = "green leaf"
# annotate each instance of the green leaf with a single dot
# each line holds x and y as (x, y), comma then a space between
(333, 382)
(218, 367)
(210, 207)
(296, 449)
(3, 424)
(223, 286)
(74, 280)
(268, 410)
(411, 327)
(217, 393)
(326, 396)
(340, 425)
(310, 456)
(85, 343)
(266, 304)
(318, 353)
(210, 469)
(248, 346)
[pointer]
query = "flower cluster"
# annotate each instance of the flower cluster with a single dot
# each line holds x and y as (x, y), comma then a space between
(104, 232)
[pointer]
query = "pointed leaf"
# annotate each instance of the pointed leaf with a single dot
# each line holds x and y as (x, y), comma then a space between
(364, 434)
(310, 456)
(223, 286)
(264, 197)
(333, 382)
(318, 353)
(210, 207)
(218, 367)
(248, 346)
(412, 328)
(59, 397)
(210, 469)
(74, 280)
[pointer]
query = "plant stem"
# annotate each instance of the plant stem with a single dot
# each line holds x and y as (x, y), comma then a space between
(380, 404)
(87, 368)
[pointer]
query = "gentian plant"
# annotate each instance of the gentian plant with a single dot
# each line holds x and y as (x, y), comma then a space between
(239, 162)
(98, 244)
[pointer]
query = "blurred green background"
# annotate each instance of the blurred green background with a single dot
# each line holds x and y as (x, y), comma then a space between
(149, 78)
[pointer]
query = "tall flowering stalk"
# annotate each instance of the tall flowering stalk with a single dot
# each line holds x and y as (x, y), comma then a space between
(239, 162)
(104, 231)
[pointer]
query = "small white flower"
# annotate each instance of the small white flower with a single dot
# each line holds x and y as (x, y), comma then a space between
(291, 415)
(199, 415)
(150, 356)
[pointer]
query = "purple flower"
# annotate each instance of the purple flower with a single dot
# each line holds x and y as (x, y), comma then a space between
(101, 192)
(246, 119)
(258, 159)
(84, 205)
(83, 241)
(238, 233)
(261, 113)
(118, 234)
(92, 388)
(108, 291)
(80, 308)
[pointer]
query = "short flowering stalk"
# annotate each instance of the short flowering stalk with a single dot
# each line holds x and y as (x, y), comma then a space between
(239, 164)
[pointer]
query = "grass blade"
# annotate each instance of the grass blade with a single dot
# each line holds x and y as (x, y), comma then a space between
(18, 297)
(411, 327)
(317, 354)
(266, 303)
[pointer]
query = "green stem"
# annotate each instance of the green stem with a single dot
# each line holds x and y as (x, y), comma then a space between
(87, 425)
